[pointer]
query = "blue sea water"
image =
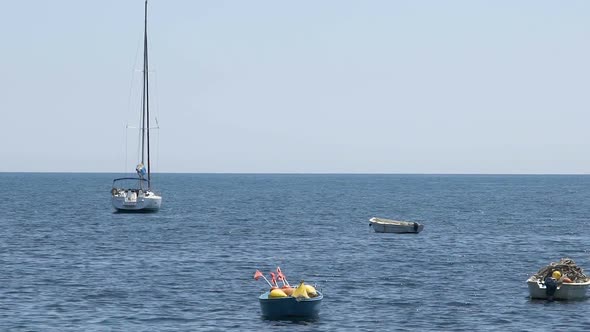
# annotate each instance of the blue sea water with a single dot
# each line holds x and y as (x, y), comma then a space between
(68, 263)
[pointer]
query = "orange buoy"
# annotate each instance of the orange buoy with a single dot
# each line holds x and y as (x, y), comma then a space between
(288, 290)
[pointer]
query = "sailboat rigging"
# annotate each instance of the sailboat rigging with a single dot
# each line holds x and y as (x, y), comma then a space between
(135, 194)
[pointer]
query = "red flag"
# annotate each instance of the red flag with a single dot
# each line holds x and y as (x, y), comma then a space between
(273, 278)
(280, 274)
(257, 275)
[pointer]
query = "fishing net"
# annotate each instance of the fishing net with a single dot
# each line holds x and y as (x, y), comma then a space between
(567, 267)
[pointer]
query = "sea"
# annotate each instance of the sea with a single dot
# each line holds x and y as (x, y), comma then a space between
(69, 263)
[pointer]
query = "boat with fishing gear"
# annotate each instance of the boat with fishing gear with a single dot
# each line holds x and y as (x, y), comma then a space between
(382, 225)
(287, 302)
(562, 280)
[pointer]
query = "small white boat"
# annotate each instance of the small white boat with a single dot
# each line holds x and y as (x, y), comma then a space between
(382, 225)
(565, 291)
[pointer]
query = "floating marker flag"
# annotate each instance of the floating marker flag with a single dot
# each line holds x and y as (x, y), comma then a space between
(140, 169)
(257, 275)
(273, 279)
(282, 277)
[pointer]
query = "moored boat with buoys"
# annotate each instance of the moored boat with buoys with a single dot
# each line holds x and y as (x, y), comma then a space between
(288, 302)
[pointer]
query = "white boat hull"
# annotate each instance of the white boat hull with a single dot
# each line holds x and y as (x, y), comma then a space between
(394, 226)
(128, 201)
(565, 291)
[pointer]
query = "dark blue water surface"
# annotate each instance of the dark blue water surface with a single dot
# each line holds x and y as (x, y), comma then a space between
(67, 262)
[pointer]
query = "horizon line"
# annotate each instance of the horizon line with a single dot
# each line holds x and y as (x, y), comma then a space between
(287, 173)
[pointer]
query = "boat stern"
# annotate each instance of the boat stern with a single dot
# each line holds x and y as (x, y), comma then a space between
(565, 291)
(290, 307)
(132, 201)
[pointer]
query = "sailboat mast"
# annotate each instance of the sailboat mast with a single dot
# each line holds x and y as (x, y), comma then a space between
(146, 96)
(143, 95)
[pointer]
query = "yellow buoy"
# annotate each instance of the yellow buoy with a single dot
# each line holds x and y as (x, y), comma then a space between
(300, 291)
(276, 293)
(311, 291)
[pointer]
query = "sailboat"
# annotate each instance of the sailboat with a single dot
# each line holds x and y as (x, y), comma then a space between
(135, 194)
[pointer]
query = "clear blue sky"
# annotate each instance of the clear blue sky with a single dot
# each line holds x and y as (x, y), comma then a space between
(300, 86)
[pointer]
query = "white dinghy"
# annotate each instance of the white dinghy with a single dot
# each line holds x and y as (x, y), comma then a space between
(382, 225)
(562, 280)
(565, 291)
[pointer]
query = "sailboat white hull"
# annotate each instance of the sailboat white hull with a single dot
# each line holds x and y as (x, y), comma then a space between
(130, 201)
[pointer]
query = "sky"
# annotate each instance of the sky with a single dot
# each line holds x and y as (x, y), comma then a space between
(330, 86)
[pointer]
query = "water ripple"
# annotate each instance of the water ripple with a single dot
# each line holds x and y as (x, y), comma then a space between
(189, 267)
